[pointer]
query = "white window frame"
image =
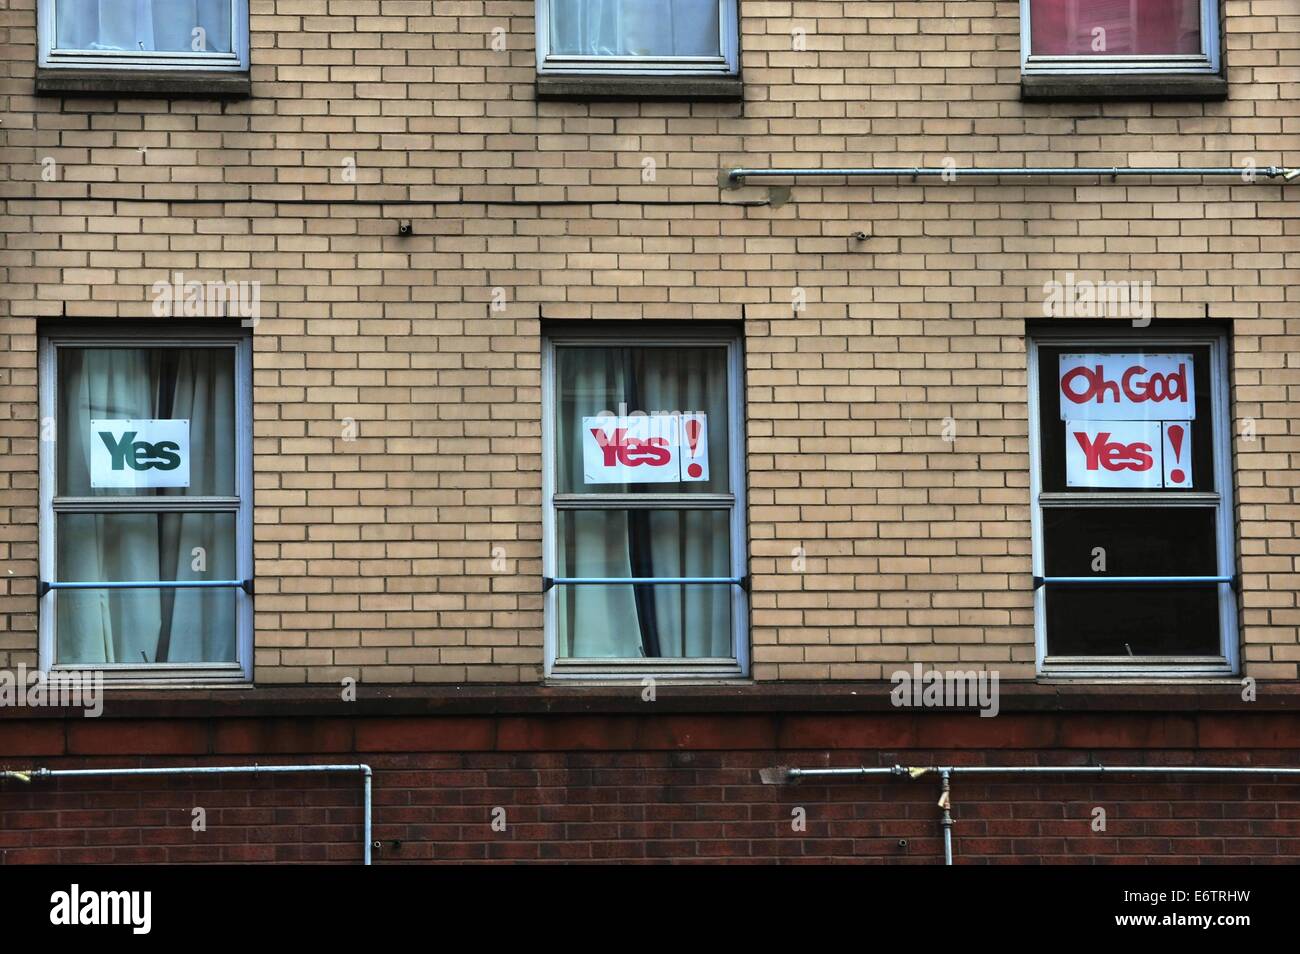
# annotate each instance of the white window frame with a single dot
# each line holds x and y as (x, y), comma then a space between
(1207, 61)
(1227, 662)
(234, 61)
(728, 63)
(168, 674)
(611, 669)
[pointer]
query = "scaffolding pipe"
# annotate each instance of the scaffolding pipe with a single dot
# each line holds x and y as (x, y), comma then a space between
(781, 774)
(367, 776)
(731, 178)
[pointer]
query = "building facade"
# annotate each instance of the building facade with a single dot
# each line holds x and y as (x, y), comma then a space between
(402, 335)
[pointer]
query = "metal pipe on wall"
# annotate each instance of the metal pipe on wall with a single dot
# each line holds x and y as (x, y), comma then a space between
(732, 178)
(367, 776)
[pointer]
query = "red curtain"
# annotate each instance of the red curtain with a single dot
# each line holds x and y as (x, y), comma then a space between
(1154, 27)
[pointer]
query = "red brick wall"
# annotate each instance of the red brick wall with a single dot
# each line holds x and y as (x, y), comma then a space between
(652, 788)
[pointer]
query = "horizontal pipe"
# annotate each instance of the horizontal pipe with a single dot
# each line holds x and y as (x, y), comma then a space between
(367, 777)
(1046, 770)
(1246, 173)
(584, 580)
(142, 584)
(198, 770)
(1102, 580)
(832, 772)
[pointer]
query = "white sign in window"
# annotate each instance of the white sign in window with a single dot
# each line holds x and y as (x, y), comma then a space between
(1128, 419)
(645, 449)
(1127, 387)
(1128, 454)
(144, 453)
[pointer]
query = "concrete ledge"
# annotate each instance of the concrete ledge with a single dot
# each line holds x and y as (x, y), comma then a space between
(1153, 700)
(1074, 88)
(180, 84)
(581, 86)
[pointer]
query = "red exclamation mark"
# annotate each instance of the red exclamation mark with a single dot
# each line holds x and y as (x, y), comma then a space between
(693, 439)
(1175, 432)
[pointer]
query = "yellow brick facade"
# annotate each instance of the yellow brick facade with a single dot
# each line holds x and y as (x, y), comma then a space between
(374, 556)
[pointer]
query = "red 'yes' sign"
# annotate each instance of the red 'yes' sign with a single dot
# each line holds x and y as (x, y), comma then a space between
(645, 449)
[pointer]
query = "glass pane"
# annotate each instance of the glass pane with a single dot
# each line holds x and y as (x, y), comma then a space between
(1121, 431)
(633, 621)
(1128, 619)
(1130, 541)
(1133, 621)
(144, 26)
(145, 405)
(138, 626)
(635, 28)
(642, 419)
(1115, 27)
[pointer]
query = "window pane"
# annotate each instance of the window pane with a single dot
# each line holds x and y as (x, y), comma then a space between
(1111, 442)
(1133, 541)
(165, 385)
(633, 621)
(635, 28)
(144, 26)
(650, 388)
(1115, 27)
(1133, 620)
(140, 626)
(1125, 619)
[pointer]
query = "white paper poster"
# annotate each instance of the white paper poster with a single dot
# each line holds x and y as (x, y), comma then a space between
(1128, 454)
(1177, 453)
(1127, 387)
(645, 449)
(143, 453)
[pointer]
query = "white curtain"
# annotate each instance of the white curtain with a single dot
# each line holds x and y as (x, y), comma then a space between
(137, 626)
(143, 26)
(627, 621)
(635, 27)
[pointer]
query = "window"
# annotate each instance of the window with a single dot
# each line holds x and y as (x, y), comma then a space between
(644, 482)
(637, 36)
(1132, 504)
(1119, 36)
(145, 34)
(146, 518)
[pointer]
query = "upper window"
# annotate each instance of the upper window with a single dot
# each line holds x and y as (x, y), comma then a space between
(145, 34)
(1119, 36)
(637, 36)
(1133, 553)
(644, 521)
(146, 555)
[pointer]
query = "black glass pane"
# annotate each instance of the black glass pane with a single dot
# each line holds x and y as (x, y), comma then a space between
(1129, 541)
(1133, 621)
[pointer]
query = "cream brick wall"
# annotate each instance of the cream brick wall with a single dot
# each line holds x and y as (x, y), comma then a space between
(374, 556)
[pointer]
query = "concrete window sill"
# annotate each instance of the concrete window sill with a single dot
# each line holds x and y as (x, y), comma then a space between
(583, 86)
(160, 84)
(1077, 87)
